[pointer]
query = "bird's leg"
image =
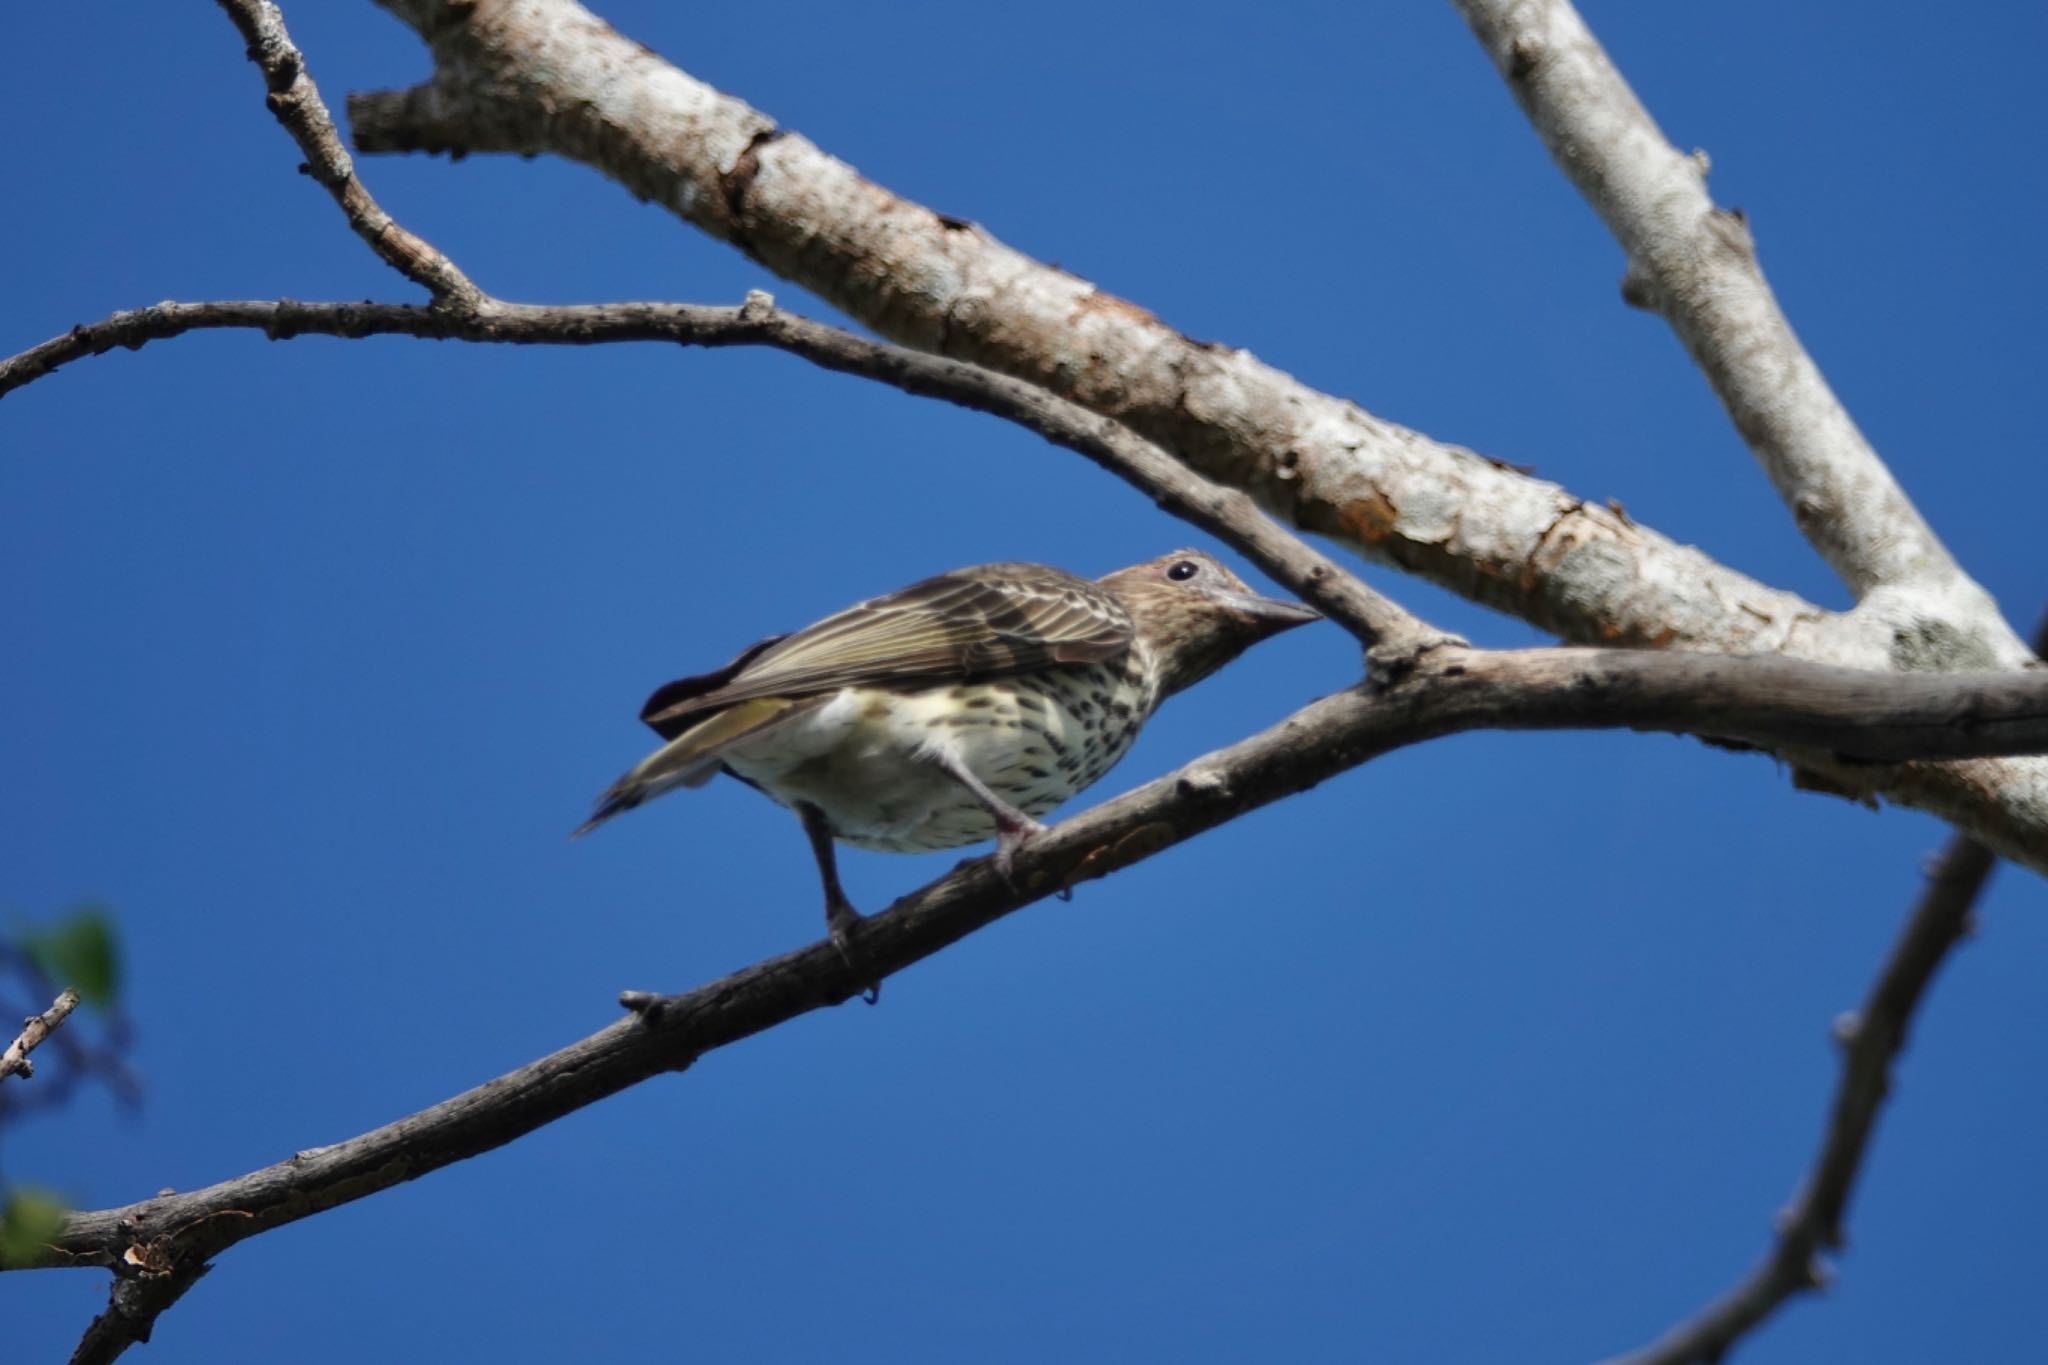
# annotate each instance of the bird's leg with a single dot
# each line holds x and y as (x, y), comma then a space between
(840, 916)
(1013, 826)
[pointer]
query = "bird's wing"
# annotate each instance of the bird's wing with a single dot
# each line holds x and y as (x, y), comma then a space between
(971, 623)
(675, 707)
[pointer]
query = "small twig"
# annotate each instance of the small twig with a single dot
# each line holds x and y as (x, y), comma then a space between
(1870, 1039)
(14, 1061)
(84, 1058)
(296, 102)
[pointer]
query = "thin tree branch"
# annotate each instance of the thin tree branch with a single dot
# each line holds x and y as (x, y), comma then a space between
(1871, 1038)
(14, 1061)
(84, 1058)
(296, 102)
(1226, 512)
(461, 309)
(1696, 265)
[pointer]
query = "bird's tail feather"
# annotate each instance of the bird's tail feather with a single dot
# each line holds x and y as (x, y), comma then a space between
(692, 758)
(622, 795)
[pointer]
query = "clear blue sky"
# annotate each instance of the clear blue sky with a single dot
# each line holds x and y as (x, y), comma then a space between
(1506, 1048)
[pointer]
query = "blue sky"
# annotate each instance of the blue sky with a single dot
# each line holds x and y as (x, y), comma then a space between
(1503, 1048)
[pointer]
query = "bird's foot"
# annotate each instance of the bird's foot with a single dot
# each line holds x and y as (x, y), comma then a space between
(840, 919)
(1011, 836)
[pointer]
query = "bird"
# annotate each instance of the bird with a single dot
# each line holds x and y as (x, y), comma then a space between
(955, 710)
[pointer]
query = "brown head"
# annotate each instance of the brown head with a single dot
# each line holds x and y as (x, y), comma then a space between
(1195, 616)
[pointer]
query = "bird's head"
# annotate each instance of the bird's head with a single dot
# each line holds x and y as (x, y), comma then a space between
(1194, 615)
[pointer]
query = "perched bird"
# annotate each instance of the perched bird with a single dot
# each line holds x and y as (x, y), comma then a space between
(958, 709)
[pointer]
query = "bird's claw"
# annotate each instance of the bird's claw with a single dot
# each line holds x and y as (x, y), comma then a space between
(840, 918)
(1009, 839)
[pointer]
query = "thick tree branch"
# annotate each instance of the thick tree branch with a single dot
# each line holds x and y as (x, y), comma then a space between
(548, 76)
(1770, 702)
(1870, 1039)
(1697, 266)
(14, 1061)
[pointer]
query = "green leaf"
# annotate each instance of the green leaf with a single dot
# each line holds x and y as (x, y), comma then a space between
(30, 1221)
(79, 950)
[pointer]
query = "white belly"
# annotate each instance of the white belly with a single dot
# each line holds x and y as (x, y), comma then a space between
(867, 760)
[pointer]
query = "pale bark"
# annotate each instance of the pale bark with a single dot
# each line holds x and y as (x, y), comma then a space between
(1696, 265)
(546, 75)
(34, 1029)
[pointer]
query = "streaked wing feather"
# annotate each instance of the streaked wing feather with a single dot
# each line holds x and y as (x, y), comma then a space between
(971, 623)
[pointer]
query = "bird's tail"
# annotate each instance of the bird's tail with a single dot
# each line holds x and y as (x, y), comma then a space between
(662, 772)
(692, 758)
(622, 795)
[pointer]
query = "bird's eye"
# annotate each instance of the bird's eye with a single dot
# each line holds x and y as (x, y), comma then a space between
(1183, 570)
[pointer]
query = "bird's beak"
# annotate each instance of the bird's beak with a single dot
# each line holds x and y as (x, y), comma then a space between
(1273, 614)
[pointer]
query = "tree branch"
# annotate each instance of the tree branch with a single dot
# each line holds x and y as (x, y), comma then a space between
(14, 1061)
(296, 102)
(461, 309)
(1452, 689)
(133, 1307)
(1870, 1039)
(548, 76)
(1225, 512)
(83, 1057)
(1696, 265)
